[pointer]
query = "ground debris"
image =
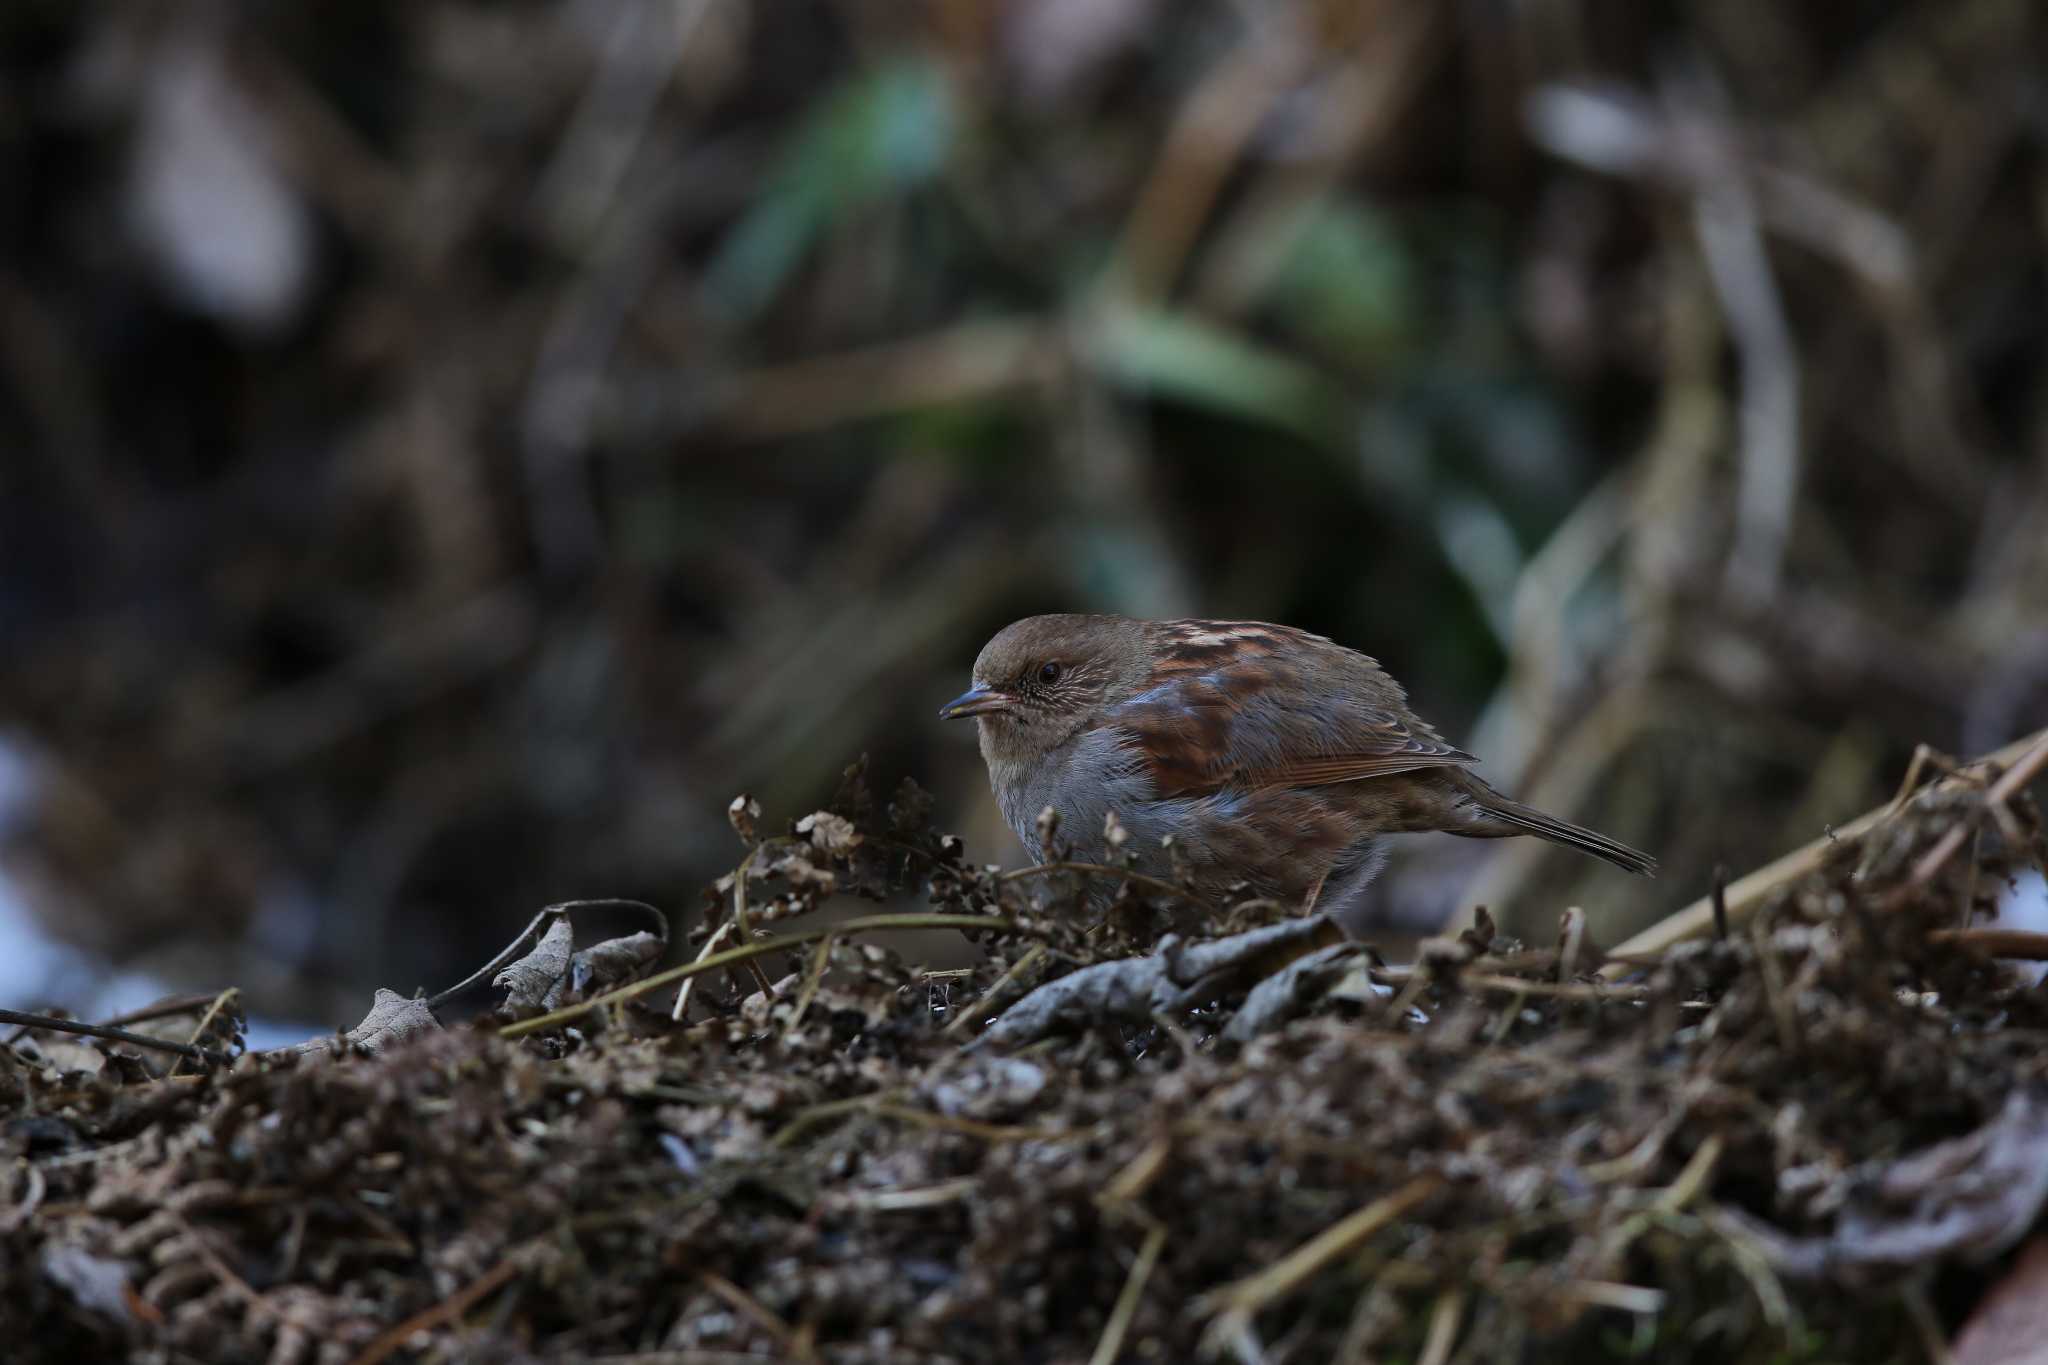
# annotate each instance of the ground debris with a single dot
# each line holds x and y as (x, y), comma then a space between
(1971, 1196)
(1252, 1146)
(1172, 978)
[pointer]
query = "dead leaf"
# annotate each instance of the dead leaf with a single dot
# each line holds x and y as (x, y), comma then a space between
(534, 983)
(1175, 977)
(613, 962)
(99, 1283)
(393, 1018)
(1971, 1196)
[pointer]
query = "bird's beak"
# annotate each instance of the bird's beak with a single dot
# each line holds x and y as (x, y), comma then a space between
(975, 701)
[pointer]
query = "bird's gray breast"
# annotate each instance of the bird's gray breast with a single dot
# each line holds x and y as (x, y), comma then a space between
(1085, 779)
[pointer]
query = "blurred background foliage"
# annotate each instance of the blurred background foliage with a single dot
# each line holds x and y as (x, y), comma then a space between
(447, 450)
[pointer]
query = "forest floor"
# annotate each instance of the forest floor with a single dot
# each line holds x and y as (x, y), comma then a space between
(1818, 1132)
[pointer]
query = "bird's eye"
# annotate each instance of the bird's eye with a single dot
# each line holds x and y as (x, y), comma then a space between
(1049, 673)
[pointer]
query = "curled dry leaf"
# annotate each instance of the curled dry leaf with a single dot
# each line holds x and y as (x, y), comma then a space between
(614, 961)
(1292, 990)
(1971, 1196)
(534, 983)
(1178, 975)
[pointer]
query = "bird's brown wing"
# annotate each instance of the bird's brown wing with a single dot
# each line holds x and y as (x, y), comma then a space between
(1246, 705)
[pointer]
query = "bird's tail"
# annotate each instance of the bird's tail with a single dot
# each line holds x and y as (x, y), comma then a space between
(1495, 816)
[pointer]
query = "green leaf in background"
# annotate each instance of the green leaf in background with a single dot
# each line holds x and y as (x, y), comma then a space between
(1180, 356)
(887, 130)
(1348, 281)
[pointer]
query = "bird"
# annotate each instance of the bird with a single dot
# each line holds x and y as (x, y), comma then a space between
(1273, 759)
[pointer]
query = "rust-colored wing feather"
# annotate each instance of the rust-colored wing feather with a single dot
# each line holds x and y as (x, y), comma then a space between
(1246, 705)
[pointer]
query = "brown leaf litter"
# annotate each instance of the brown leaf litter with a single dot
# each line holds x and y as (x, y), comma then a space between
(1809, 1138)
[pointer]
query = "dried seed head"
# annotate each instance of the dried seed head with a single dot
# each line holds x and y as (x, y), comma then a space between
(833, 835)
(742, 814)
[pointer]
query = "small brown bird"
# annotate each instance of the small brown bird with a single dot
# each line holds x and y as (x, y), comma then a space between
(1273, 758)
